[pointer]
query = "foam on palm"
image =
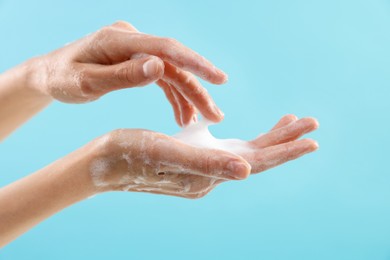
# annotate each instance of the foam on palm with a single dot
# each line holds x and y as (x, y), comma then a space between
(198, 135)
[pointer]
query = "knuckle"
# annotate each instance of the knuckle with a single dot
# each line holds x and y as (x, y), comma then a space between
(103, 32)
(170, 41)
(200, 91)
(122, 140)
(290, 117)
(187, 79)
(121, 23)
(168, 47)
(113, 136)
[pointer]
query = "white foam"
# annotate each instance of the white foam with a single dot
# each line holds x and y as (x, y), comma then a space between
(198, 135)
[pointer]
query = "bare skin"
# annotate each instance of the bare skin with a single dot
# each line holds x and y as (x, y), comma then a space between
(132, 160)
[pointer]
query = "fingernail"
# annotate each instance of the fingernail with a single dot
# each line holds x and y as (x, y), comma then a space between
(315, 146)
(151, 67)
(223, 74)
(237, 170)
(226, 77)
(218, 111)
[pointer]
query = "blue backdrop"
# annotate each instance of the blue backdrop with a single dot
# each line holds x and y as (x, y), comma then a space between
(327, 59)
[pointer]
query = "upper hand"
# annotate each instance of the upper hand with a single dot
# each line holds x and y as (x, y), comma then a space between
(117, 57)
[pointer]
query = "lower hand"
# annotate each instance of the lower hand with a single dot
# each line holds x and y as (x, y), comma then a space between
(146, 161)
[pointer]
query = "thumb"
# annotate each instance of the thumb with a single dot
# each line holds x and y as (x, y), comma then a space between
(201, 161)
(131, 73)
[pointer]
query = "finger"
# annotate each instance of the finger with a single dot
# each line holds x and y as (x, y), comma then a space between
(193, 91)
(131, 73)
(273, 156)
(286, 133)
(169, 50)
(285, 120)
(171, 98)
(178, 157)
(184, 111)
(212, 163)
(188, 111)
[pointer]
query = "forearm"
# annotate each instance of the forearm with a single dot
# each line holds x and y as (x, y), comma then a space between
(27, 202)
(18, 100)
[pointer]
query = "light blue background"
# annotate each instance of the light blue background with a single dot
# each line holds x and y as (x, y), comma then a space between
(327, 59)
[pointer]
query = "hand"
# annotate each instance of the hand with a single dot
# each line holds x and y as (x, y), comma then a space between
(118, 57)
(146, 161)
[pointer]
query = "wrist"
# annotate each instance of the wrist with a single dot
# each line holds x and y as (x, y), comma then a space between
(77, 172)
(34, 73)
(19, 101)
